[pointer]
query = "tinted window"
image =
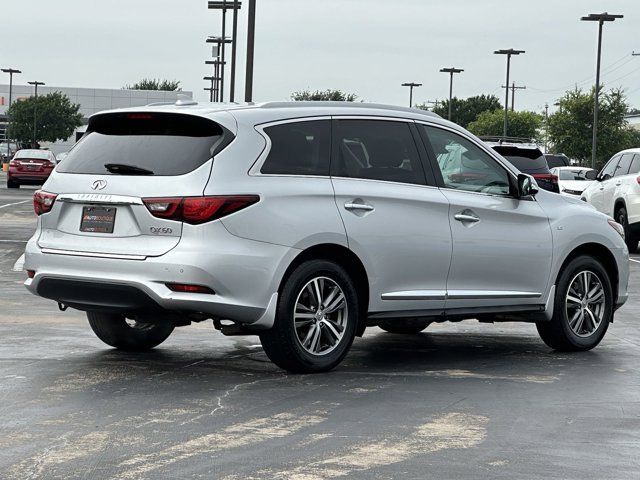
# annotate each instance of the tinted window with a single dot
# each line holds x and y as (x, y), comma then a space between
(574, 175)
(464, 165)
(623, 166)
(557, 161)
(610, 167)
(165, 144)
(300, 148)
(527, 160)
(377, 150)
(635, 164)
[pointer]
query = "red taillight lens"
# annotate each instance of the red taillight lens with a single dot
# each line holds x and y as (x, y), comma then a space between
(197, 210)
(43, 201)
(554, 179)
(638, 180)
(31, 273)
(186, 288)
(13, 163)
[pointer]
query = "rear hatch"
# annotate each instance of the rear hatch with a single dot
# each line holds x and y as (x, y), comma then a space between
(123, 159)
(532, 162)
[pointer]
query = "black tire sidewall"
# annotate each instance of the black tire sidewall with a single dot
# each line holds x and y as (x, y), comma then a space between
(284, 334)
(404, 326)
(113, 330)
(630, 239)
(577, 265)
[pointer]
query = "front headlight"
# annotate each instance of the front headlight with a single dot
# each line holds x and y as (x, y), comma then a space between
(617, 227)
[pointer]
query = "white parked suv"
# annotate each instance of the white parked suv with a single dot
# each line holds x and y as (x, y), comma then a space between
(616, 192)
(305, 223)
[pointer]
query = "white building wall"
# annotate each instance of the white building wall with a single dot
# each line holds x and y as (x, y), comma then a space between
(91, 100)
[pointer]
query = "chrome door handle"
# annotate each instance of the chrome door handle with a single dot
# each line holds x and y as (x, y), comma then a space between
(466, 218)
(358, 206)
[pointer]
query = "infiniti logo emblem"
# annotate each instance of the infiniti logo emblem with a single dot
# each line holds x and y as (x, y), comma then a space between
(99, 185)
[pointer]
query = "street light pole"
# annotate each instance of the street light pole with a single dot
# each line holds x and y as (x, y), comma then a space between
(411, 86)
(451, 71)
(251, 40)
(508, 52)
(234, 49)
(600, 18)
(35, 109)
(10, 71)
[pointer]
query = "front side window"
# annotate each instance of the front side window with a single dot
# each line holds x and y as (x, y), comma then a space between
(299, 148)
(464, 166)
(610, 168)
(376, 150)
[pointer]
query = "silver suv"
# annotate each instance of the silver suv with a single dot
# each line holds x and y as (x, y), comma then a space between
(304, 223)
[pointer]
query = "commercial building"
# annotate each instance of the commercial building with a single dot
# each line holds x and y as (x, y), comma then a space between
(91, 100)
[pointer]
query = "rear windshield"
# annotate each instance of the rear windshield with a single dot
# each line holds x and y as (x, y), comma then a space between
(576, 175)
(557, 161)
(156, 143)
(524, 159)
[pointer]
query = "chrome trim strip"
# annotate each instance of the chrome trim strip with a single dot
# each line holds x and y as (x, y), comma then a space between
(488, 294)
(72, 253)
(456, 295)
(416, 295)
(99, 198)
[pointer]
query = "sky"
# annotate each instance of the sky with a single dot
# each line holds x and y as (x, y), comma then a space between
(368, 47)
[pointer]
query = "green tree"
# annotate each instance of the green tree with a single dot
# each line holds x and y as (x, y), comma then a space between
(155, 84)
(570, 128)
(56, 118)
(324, 95)
(521, 124)
(466, 110)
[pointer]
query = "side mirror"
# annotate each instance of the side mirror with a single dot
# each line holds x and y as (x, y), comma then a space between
(591, 175)
(526, 186)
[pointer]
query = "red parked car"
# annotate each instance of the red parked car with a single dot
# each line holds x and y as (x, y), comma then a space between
(30, 167)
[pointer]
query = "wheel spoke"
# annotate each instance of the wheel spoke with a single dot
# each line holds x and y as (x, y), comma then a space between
(331, 329)
(318, 290)
(336, 304)
(305, 315)
(315, 343)
(579, 323)
(309, 336)
(592, 318)
(331, 296)
(573, 299)
(575, 319)
(599, 295)
(300, 306)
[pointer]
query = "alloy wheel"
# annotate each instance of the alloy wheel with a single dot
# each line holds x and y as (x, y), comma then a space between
(585, 303)
(320, 316)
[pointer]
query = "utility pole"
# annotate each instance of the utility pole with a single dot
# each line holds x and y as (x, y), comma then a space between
(546, 128)
(508, 52)
(435, 103)
(451, 71)
(513, 92)
(600, 18)
(251, 40)
(10, 71)
(217, 68)
(234, 51)
(35, 109)
(411, 86)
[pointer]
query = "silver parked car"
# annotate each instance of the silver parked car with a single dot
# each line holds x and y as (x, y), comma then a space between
(304, 223)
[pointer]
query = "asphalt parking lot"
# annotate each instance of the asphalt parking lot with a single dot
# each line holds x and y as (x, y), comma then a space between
(458, 401)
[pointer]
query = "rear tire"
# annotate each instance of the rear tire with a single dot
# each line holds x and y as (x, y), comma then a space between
(12, 184)
(316, 319)
(405, 326)
(580, 319)
(630, 238)
(138, 336)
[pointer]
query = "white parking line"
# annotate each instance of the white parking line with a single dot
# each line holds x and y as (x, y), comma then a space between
(14, 241)
(632, 260)
(12, 204)
(19, 265)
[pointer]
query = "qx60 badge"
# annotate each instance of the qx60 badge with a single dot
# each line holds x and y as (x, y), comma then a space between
(99, 185)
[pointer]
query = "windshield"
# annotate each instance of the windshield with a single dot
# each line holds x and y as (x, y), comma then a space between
(159, 143)
(579, 175)
(528, 160)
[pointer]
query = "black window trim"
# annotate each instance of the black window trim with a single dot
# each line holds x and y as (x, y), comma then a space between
(255, 169)
(513, 178)
(615, 172)
(617, 157)
(429, 181)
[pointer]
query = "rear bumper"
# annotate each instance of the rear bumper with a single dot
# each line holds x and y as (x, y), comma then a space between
(28, 178)
(244, 274)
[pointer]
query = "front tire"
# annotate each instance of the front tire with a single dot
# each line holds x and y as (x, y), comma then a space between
(12, 184)
(131, 336)
(583, 307)
(316, 319)
(629, 237)
(404, 326)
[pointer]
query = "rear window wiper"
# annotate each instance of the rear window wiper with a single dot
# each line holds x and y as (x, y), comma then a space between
(124, 169)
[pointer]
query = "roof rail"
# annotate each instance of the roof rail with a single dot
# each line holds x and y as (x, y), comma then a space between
(502, 139)
(354, 105)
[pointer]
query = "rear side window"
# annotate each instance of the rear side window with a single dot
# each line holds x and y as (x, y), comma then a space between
(528, 160)
(376, 150)
(299, 148)
(160, 143)
(623, 166)
(635, 164)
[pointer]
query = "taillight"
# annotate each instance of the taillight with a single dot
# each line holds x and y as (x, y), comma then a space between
(188, 288)
(43, 201)
(13, 163)
(554, 178)
(197, 210)
(638, 180)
